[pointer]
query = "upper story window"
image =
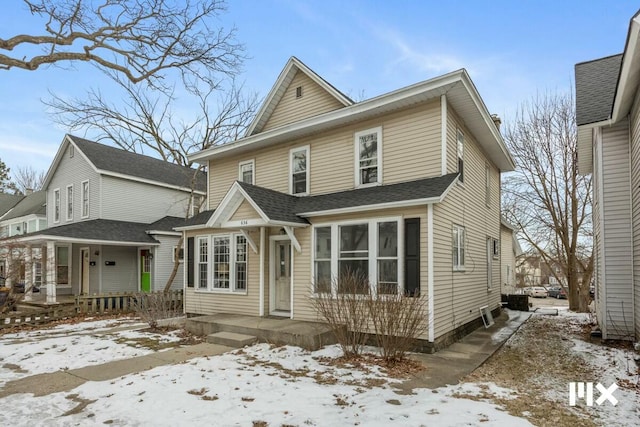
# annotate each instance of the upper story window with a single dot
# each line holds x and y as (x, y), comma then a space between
(460, 151)
(56, 205)
(458, 247)
(85, 199)
(368, 148)
(69, 202)
(246, 172)
(299, 170)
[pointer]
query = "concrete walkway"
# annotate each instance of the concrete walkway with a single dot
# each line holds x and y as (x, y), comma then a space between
(447, 366)
(43, 384)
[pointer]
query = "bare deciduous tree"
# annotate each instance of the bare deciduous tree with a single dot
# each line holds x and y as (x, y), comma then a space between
(139, 39)
(546, 197)
(26, 178)
(146, 121)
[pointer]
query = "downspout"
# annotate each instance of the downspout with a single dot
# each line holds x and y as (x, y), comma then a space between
(443, 140)
(430, 286)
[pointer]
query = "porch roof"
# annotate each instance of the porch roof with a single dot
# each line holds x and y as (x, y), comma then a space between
(287, 210)
(99, 231)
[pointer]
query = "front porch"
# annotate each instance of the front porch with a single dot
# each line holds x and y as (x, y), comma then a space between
(276, 330)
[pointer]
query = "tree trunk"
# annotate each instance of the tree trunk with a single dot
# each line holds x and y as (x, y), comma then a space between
(176, 266)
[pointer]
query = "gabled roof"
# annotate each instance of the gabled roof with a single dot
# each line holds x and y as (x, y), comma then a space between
(461, 94)
(8, 201)
(278, 208)
(113, 161)
(629, 77)
(31, 204)
(595, 89)
(277, 91)
(98, 231)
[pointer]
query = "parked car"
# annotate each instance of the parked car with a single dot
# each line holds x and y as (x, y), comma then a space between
(557, 292)
(537, 292)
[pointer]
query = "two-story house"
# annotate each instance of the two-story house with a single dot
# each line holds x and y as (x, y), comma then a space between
(608, 118)
(27, 216)
(110, 215)
(403, 187)
(7, 202)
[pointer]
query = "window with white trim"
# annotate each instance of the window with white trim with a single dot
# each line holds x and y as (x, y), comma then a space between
(69, 202)
(85, 199)
(228, 269)
(299, 170)
(246, 172)
(202, 274)
(56, 205)
(62, 265)
(368, 148)
(368, 249)
(458, 247)
(179, 252)
(460, 153)
(322, 261)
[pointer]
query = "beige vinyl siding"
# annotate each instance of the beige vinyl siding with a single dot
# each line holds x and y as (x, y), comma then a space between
(303, 309)
(635, 213)
(410, 150)
(244, 211)
(314, 101)
(459, 295)
(507, 261)
(210, 302)
(616, 231)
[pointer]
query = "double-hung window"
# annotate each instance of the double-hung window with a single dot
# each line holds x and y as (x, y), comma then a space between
(368, 148)
(85, 199)
(460, 152)
(202, 273)
(458, 247)
(56, 205)
(299, 170)
(246, 172)
(367, 253)
(63, 270)
(228, 270)
(69, 202)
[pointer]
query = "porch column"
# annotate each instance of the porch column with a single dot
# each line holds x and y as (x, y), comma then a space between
(28, 273)
(51, 273)
(261, 255)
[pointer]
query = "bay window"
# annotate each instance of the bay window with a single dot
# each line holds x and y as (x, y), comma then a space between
(203, 262)
(322, 262)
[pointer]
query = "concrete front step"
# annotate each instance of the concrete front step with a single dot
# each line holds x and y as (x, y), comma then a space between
(231, 339)
(309, 335)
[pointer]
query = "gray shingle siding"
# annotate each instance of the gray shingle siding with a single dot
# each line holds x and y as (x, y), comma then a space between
(596, 83)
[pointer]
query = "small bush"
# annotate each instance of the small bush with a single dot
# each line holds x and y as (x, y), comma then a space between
(397, 322)
(152, 307)
(346, 313)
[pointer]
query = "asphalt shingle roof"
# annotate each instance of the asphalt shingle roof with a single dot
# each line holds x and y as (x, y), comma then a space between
(199, 219)
(284, 207)
(32, 204)
(596, 83)
(7, 201)
(168, 223)
(103, 229)
(137, 165)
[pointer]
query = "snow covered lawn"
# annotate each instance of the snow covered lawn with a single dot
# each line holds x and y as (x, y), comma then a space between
(263, 385)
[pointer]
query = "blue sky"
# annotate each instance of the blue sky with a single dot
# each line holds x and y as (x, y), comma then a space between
(512, 50)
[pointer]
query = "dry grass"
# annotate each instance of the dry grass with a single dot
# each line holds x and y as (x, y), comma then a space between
(538, 364)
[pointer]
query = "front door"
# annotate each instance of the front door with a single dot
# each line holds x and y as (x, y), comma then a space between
(282, 269)
(84, 271)
(145, 270)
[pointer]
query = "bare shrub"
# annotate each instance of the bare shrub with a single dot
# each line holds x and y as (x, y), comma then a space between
(397, 322)
(347, 311)
(152, 307)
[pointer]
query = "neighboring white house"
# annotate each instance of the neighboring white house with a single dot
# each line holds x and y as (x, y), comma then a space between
(510, 250)
(111, 215)
(608, 118)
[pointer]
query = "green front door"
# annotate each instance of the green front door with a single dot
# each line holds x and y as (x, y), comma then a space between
(145, 270)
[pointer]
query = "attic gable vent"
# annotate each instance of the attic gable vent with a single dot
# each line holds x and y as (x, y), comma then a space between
(299, 92)
(71, 151)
